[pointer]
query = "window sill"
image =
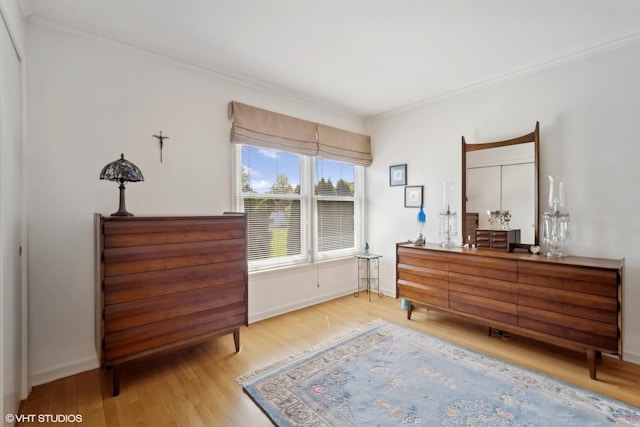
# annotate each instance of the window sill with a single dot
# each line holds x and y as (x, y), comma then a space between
(290, 269)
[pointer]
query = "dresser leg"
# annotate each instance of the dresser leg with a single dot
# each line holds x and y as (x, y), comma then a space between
(591, 362)
(236, 339)
(116, 380)
(409, 309)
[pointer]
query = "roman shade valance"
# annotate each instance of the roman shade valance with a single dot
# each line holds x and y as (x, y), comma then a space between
(345, 146)
(263, 128)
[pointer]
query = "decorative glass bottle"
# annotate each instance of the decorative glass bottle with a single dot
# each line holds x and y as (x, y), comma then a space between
(422, 220)
(556, 224)
(448, 218)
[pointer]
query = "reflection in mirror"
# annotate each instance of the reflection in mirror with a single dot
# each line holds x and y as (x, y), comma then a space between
(501, 177)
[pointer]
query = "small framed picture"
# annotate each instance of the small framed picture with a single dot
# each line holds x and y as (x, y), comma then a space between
(398, 175)
(413, 196)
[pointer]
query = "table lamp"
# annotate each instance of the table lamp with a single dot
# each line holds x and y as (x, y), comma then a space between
(121, 171)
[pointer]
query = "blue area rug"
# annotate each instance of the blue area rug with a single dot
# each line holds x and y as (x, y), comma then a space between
(387, 375)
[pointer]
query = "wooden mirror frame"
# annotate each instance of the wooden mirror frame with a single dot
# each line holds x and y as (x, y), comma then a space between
(530, 137)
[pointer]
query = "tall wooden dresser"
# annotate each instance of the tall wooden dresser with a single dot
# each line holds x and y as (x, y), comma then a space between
(168, 282)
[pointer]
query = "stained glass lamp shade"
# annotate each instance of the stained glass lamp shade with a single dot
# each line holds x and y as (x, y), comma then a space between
(121, 171)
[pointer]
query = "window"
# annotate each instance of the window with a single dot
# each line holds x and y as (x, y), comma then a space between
(300, 209)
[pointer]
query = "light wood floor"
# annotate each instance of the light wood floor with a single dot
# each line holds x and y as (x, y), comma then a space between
(197, 386)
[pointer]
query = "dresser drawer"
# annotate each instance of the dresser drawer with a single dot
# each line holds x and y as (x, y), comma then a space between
(425, 294)
(130, 287)
(145, 339)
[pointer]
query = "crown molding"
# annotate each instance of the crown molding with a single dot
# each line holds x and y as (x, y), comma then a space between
(556, 62)
(25, 8)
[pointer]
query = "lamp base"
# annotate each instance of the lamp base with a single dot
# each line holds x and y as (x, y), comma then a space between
(124, 213)
(122, 210)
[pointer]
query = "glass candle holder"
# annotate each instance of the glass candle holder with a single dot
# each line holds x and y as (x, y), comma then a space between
(448, 218)
(555, 232)
(448, 228)
(556, 224)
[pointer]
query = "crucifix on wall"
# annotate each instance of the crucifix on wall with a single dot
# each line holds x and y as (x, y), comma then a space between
(161, 139)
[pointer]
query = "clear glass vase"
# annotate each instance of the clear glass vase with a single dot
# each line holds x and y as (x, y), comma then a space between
(556, 193)
(556, 231)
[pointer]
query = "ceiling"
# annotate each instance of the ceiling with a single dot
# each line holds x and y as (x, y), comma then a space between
(362, 57)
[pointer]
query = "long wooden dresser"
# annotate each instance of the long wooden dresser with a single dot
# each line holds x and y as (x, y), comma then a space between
(168, 282)
(573, 302)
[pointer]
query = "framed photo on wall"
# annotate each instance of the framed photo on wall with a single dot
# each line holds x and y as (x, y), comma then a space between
(398, 175)
(413, 196)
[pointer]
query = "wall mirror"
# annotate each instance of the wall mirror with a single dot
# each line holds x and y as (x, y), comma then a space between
(501, 176)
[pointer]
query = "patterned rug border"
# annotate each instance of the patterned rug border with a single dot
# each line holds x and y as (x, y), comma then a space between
(297, 357)
(301, 357)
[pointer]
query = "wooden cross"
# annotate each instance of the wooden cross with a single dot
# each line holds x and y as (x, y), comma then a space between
(161, 139)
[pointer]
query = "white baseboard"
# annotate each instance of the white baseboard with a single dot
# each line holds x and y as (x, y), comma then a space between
(632, 358)
(276, 311)
(66, 370)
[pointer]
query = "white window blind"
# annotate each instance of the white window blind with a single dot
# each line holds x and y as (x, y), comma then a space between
(334, 189)
(272, 197)
(299, 208)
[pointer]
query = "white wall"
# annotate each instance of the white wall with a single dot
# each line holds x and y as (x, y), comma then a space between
(13, 366)
(590, 133)
(90, 100)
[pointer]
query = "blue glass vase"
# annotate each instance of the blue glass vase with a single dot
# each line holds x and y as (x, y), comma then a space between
(422, 220)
